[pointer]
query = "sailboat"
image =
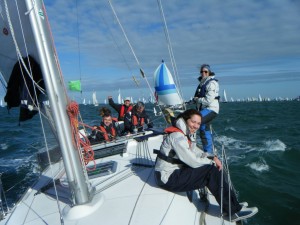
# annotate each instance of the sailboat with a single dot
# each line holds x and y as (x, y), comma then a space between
(94, 98)
(117, 186)
(224, 96)
(119, 98)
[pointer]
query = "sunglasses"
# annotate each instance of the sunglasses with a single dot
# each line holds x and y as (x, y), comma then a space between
(204, 71)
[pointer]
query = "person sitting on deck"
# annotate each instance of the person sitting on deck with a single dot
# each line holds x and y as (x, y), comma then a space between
(122, 109)
(135, 120)
(107, 131)
(180, 167)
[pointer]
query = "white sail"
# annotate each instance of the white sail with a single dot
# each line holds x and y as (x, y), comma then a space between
(259, 98)
(225, 96)
(94, 98)
(165, 87)
(119, 98)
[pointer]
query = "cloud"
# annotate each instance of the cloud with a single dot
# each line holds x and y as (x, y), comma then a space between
(235, 37)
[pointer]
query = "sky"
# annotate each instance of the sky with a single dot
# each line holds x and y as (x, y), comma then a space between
(253, 46)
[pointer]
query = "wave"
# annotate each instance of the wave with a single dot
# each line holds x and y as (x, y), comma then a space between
(230, 129)
(259, 166)
(233, 144)
(274, 145)
(3, 146)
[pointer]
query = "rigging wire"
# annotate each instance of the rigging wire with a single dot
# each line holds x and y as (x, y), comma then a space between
(114, 40)
(78, 46)
(128, 42)
(130, 46)
(172, 57)
(225, 171)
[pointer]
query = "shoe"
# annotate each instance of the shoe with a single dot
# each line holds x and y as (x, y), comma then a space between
(244, 214)
(203, 194)
(244, 204)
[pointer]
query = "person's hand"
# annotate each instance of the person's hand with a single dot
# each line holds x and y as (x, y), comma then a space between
(195, 99)
(218, 163)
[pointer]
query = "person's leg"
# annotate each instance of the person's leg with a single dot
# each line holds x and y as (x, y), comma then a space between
(187, 179)
(205, 132)
(214, 184)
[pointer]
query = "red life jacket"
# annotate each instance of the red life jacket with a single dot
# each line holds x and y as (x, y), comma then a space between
(122, 111)
(137, 121)
(173, 129)
(105, 134)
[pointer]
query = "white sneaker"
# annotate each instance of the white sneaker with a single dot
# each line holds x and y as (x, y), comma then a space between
(244, 214)
(244, 204)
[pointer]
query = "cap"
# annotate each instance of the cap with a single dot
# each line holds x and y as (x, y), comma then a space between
(127, 99)
(206, 66)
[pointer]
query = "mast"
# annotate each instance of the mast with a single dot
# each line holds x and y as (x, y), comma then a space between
(58, 101)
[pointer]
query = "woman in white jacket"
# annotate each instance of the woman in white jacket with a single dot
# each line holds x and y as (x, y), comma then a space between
(180, 166)
(207, 100)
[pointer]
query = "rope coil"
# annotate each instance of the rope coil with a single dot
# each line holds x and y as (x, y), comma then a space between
(80, 142)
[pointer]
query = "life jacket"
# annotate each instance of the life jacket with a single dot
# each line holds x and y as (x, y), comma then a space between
(122, 111)
(170, 158)
(105, 134)
(173, 129)
(202, 92)
(137, 121)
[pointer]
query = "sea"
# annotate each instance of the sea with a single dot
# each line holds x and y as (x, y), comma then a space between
(261, 141)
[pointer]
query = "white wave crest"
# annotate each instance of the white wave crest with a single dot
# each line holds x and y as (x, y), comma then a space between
(259, 166)
(225, 140)
(275, 145)
(230, 128)
(3, 146)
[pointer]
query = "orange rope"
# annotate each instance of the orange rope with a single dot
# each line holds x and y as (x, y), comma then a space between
(84, 143)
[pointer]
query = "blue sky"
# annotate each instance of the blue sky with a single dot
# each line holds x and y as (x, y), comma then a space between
(252, 46)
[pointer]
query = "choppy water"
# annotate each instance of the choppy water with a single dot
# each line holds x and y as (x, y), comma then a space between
(261, 139)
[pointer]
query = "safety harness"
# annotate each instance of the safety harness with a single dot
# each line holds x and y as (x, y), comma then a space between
(202, 92)
(170, 158)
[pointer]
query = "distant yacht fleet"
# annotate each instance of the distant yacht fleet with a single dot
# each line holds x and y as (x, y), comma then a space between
(259, 98)
(151, 99)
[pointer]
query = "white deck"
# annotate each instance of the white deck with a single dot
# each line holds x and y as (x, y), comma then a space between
(134, 198)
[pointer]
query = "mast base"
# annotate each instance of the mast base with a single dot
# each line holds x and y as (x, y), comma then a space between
(81, 211)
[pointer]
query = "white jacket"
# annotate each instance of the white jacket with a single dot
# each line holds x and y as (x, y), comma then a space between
(178, 142)
(212, 91)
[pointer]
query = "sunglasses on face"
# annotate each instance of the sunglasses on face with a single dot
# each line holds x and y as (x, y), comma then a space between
(204, 71)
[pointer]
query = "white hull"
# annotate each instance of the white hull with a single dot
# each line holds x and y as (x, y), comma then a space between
(131, 196)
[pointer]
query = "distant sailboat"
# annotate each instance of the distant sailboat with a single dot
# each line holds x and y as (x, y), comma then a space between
(95, 101)
(84, 102)
(165, 88)
(224, 96)
(119, 97)
(259, 98)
